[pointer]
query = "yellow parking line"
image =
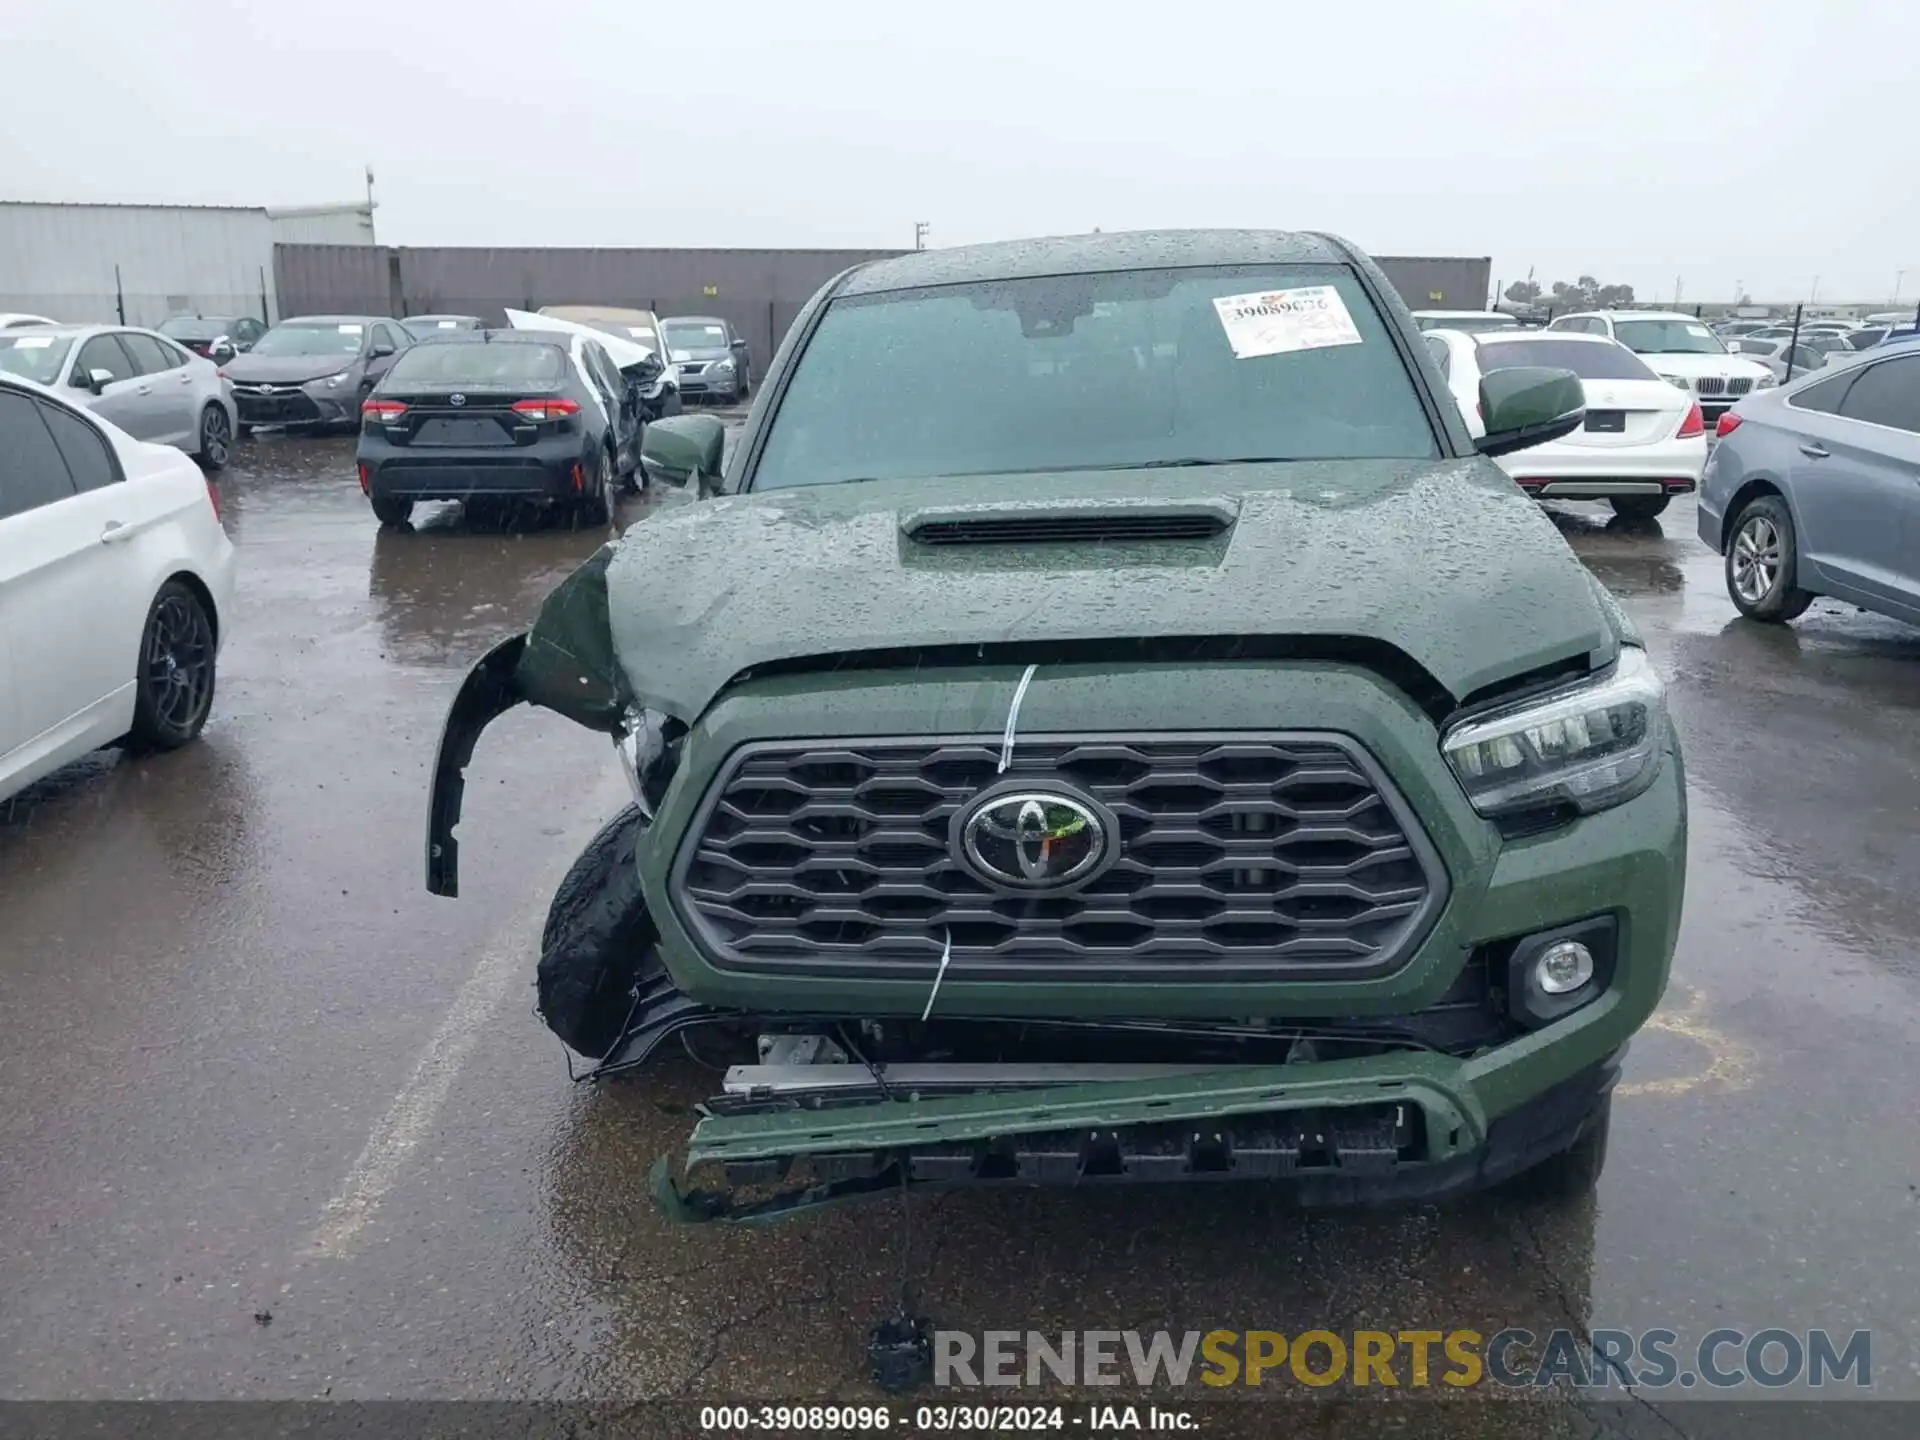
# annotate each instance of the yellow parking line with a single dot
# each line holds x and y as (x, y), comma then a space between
(1731, 1064)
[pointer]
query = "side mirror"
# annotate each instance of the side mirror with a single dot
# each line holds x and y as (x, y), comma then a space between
(380, 347)
(95, 380)
(221, 350)
(1528, 405)
(683, 448)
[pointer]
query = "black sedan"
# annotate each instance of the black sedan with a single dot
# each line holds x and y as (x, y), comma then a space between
(497, 415)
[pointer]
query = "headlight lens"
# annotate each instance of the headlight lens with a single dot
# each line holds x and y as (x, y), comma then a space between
(1679, 380)
(723, 364)
(334, 382)
(1766, 380)
(1593, 746)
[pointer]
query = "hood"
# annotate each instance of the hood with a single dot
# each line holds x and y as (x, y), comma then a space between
(251, 369)
(1693, 366)
(621, 351)
(1447, 561)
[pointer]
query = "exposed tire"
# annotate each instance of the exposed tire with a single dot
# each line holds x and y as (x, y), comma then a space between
(173, 687)
(1575, 1171)
(389, 511)
(216, 439)
(599, 942)
(1639, 507)
(591, 508)
(1763, 562)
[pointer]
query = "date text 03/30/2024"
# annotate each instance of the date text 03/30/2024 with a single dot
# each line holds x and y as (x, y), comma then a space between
(934, 1419)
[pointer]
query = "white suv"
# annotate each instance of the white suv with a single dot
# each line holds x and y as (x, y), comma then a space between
(1681, 350)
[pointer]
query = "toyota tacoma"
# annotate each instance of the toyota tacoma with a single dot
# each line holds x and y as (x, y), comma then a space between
(1107, 721)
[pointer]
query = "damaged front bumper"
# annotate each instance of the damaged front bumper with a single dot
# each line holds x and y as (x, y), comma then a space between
(1380, 1130)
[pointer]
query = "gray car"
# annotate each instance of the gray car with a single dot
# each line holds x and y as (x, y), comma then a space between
(709, 357)
(149, 386)
(1814, 489)
(312, 372)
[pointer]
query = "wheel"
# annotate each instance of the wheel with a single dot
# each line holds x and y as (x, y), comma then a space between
(389, 511)
(1576, 1170)
(173, 690)
(591, 508)
(243, 431)
(216, 439)
(1639, 507)
(1762, 563)
(599, 942)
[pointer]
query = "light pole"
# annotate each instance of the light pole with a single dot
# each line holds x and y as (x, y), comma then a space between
(1898, 277)
(1814, 293)
(920, 228)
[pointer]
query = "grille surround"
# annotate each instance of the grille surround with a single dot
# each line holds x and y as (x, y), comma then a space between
(856, 879)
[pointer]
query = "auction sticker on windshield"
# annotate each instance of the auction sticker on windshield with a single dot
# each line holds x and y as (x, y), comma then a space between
(1275, 322)
(34, 342)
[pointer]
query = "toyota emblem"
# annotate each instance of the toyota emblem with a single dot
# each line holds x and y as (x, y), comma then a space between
(1032, 838)
(456, 398)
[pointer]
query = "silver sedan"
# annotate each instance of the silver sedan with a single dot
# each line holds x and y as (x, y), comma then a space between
(146, 384)
(1814, 489)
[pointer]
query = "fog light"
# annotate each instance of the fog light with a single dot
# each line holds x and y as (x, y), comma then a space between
(1563, 967)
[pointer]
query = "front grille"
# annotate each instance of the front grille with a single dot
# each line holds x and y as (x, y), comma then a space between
(1240, 856)
(1740, 386)
(1711, 385)
(287, 405)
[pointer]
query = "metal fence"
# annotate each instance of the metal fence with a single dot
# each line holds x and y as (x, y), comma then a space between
(112, 304)
(759, 291)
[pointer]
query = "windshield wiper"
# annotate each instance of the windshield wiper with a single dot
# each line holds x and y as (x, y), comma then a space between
(1182, 463)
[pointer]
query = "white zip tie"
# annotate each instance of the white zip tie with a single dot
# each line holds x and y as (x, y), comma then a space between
(1013, 719)
(946, 954)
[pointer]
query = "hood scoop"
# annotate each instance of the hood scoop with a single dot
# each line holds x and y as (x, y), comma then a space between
(1095, 522)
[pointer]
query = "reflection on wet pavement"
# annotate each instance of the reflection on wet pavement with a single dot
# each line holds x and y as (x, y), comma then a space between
(223, 977)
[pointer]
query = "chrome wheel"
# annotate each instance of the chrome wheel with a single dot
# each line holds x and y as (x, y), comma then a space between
(176, 666)
(1756, 558)
(216, 438)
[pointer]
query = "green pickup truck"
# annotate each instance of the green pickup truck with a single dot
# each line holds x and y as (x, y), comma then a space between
(1106, 721)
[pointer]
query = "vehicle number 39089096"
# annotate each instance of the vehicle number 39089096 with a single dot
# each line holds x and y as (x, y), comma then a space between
(783, 1419)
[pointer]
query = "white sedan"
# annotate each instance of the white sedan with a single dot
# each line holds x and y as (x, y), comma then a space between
(115, 583)
(1644, 440)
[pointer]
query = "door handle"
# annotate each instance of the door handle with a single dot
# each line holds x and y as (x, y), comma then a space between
(186, 379)
(1814, 452)
(115, 531)
(143, 389)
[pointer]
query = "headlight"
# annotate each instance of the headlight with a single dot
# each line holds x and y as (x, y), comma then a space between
(722, 365)
(649, 751)
(334, 382)
(1765, 380)
(1592, 746)
(1680, 380)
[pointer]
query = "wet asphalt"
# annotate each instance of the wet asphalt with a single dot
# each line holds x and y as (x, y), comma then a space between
(278, 1123)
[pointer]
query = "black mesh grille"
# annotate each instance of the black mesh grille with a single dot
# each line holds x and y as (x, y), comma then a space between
(1240, 856)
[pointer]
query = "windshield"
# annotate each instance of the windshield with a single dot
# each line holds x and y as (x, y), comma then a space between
(34, 357)
(193, 328)
(697, 337)
(331, 339)
(1588, 360)
(478, 363)
(1667, 337)
(1096, 371)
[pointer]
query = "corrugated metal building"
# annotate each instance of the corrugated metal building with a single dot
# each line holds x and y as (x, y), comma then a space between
(759, 291)
(146, 262)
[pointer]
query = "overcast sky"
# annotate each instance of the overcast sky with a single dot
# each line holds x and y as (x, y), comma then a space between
(1764, 142)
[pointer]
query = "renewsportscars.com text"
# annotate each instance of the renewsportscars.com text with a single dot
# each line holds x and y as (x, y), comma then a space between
(1412, 1359)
